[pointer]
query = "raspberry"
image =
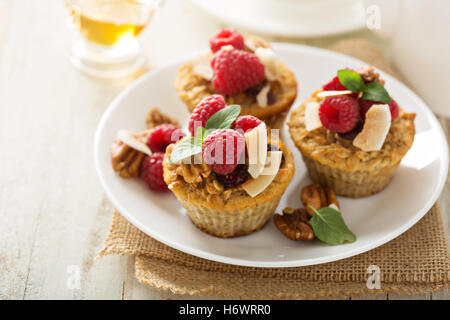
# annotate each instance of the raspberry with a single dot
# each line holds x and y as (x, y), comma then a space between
(226, 37)
(393, 106)
(152, 172)
(339, 113)
(204, 110)
(334, 84)
(233, 179)
(366, 104)
(245, 123)
(163, 135)
(222, 149)
(352, 134)
(236, 71)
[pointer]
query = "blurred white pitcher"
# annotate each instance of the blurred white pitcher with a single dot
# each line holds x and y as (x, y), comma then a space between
(419, 34)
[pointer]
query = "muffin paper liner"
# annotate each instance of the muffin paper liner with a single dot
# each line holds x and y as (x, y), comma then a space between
(354, 184)
(231, 223)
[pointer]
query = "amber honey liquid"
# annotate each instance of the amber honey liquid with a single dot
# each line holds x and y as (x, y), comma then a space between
(109, 22)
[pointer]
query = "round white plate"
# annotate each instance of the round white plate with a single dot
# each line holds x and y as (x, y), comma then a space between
(375, 220)
(290, 18)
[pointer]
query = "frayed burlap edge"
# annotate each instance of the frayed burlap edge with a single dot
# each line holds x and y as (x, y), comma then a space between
(414, 263)
(179, 280)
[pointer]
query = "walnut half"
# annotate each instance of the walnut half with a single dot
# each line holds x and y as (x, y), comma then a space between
(369, 75)
(317, 197)
(126, 160)
(155, 118)
(294, 224)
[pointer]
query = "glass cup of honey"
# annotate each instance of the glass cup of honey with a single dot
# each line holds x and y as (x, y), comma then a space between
(108, 46)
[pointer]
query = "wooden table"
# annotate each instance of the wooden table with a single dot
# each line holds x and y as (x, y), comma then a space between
(54, 214)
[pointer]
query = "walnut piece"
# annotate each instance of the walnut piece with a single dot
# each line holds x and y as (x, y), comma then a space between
(294, 224)
(155, 118)
(253, 42)
(317, 197)
(369, 75)
(126, 160)
(193, 173)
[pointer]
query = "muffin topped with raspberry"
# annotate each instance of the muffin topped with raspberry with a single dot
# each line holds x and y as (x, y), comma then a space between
(245, 71)
(352, 134)
(228, 174)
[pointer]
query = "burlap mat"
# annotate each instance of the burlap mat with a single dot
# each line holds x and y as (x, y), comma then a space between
(416, 262)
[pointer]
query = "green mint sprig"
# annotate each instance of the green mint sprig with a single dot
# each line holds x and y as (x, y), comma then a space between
(329, 226)
(353, 81)
(188, 147)
(224, 118)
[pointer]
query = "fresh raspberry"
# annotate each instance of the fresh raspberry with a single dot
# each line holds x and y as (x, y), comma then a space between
(226, 37)
(393, 106)
(236, 178)
(354, 132)
(152, 171)
(163, 135)
(339, 113)
(235, 71)
(204, 110)
(365, 105)
(334, 84)
(222, 150)
(245, 123)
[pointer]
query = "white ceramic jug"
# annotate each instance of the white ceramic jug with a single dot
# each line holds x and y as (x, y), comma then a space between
(419, 34)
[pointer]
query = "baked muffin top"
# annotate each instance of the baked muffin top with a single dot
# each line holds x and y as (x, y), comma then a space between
(329, 148)
(201, 185)
(193, 87)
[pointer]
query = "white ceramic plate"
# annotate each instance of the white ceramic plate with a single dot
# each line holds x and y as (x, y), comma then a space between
(290, 18)
(375, 220)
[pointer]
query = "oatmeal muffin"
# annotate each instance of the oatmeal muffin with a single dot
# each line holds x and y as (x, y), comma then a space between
(245, 71)
(230, 199)
(349, 143)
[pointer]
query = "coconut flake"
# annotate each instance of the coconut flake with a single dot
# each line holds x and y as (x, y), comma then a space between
(202, 67)
(250, 45)
(268, 57)
(228, 47)
(262, 98)
(312, 118)
(130, 139)
(376, 127)
(253, 187)
(256, 142)
(332, 93)
(335, 207)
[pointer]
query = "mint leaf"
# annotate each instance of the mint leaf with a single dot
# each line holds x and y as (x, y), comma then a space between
(329, 226)
(376, 92)
(186, 148)
(223, 119)
(351, 80)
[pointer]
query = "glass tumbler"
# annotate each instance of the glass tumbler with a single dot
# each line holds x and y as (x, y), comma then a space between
(107, 45)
